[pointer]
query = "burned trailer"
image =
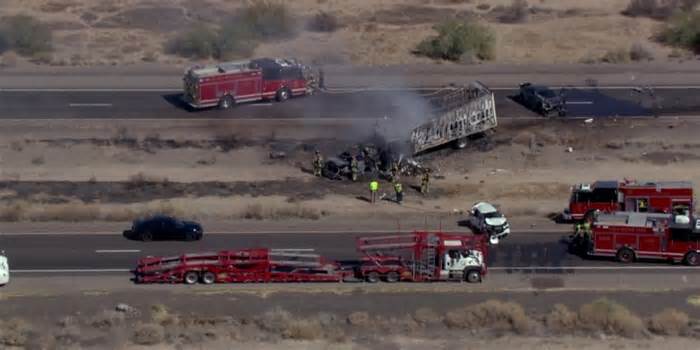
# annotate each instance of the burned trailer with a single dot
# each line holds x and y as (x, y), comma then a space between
(460, 114)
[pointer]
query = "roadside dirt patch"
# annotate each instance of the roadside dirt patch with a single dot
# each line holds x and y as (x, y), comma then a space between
(414, 15)
(665, 158)
(162, 19)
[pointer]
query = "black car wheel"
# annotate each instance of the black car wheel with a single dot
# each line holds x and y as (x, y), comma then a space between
(146, 236)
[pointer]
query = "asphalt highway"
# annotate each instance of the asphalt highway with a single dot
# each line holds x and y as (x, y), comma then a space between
(62, 253)
(166, 104)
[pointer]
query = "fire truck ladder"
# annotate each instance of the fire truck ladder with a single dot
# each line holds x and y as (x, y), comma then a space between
(429, 256)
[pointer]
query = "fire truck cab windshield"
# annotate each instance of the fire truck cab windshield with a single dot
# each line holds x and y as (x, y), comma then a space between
(594, 194)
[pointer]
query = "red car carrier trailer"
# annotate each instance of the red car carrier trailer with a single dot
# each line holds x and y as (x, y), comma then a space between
(239, 266)
(229, 83)
(628, 236)
(611, 196)
(418, 257)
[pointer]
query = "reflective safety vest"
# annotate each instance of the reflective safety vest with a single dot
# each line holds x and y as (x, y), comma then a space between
(374, 186)
(397, 187)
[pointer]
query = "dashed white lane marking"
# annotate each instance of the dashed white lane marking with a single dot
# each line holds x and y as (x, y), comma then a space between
(89, 105)
(261, 104)
(108, 251)
(579, 102)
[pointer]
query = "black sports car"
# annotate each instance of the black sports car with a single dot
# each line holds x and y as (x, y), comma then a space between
(162, 227)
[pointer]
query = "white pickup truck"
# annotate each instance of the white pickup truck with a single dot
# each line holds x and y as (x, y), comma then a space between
(4, 270)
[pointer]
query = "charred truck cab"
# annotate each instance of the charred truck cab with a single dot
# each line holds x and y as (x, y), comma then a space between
(229, 83)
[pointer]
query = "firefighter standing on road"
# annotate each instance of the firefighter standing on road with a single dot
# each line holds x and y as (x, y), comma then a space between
(373, 189)
(321, 79)
(399, 192)
(354, 168)
(318, 163)
(395, 172)
(425, 182)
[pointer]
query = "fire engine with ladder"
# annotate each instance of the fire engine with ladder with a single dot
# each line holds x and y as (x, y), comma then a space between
(226, 84)
(418, 257)
(632, 196)
(628, 236)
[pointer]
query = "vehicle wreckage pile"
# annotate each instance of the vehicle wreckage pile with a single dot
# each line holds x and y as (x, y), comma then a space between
(459, 116)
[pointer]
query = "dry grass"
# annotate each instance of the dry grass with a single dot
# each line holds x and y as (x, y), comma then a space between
(14, 333)
(148, 334)
(561, 320)
(259, 212)
(608, 316)
(359, 319)
(491, 314)
(670, 322)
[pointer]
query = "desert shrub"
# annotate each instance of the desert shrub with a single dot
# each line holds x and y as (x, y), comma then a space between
(199, 42)
(608, 316)
(235, 39)
(640, 53)
(658, 9)
(616, 56)
(426, 315)
(457, 39)
(253, 211)
(491, 314)
(26, 35)
(359, 319)
(269, 19)
(14, 333)
(669, 322)
(517, 12)
(683, 31)
(561, 319)
(483, 7)
(323, 22)
(148, 334)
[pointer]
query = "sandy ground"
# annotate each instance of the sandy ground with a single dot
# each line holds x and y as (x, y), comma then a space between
(527, 172)
(375, 32)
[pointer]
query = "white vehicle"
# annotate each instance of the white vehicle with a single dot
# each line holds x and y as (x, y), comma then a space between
(485, 218)
(4, 269)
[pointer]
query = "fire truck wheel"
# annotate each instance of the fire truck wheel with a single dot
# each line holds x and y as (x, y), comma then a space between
(226, 102)
(625, 255)
(392, 277)
(472, 276)
(372, 277)
(282, 95)
(146, 236)
(692, 259)
(191, 277)
(208, 277)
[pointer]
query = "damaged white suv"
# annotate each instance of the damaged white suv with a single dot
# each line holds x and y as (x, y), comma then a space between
(486, 219)
(4, 270)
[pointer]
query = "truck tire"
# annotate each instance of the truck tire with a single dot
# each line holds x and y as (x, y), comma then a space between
(472, 276)
(208, 277)
(191, 277)
(372, 277)
(146, 236)
(692, 259)
(392, 277)
(625, 255)
(282, 95)
(226, 102)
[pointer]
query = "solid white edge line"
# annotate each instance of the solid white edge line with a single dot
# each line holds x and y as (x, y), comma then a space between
(104, 233)
(500, 268)
(89, 105)
(102, 251)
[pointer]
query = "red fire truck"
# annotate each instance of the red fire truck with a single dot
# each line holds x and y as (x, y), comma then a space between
(421, 256)
(226, 84)
(610, 196)
(628, 236)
